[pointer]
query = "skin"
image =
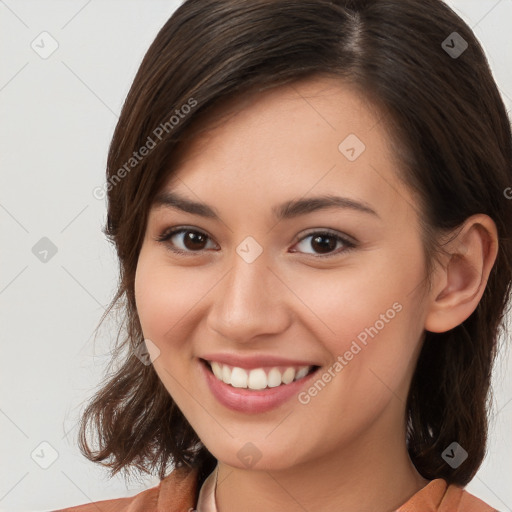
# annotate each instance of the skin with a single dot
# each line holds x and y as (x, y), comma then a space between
(345, 449)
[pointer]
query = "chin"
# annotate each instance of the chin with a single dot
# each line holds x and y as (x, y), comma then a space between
(259, 456)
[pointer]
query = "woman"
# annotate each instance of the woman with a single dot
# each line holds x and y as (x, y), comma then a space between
(315, 260)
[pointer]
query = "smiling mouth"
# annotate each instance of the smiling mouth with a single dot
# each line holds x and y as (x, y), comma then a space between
(258, 378)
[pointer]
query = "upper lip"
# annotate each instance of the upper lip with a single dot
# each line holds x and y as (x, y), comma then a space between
(255, 361)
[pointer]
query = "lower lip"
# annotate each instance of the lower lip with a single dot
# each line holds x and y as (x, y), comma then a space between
(252, 401)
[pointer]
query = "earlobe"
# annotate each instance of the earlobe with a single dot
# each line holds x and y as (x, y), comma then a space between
(460, 284)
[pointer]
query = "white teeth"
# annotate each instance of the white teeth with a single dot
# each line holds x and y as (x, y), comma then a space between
(226, 374)
(302, 372)
(238, 378)
(288, 375)
(257, 378)
(274, 378)
(217, 370)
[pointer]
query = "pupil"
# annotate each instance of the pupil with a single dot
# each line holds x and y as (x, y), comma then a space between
(192, 238)
(323, 246)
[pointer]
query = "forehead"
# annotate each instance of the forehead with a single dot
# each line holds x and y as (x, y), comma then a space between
(315, 136)
(319, 100)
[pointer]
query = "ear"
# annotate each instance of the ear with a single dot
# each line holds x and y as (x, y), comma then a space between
(459, 285)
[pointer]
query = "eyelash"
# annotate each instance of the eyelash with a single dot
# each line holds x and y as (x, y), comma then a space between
(169, 233)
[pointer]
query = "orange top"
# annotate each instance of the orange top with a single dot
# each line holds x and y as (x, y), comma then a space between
(178, 493)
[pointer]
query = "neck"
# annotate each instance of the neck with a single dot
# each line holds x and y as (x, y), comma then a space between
(369, 474)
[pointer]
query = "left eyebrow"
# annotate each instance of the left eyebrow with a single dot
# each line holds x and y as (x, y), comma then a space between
(298, 207)
(289, 209)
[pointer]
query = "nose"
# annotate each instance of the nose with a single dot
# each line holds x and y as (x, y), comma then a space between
(250, 301)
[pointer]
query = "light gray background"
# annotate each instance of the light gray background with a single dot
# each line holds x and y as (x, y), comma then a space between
(57, 117)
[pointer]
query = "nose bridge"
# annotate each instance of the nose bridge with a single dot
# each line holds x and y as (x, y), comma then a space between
(248, 302)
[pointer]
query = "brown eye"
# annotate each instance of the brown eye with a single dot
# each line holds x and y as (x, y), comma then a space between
(183, 240)
(324, 243)
(189, 241)
(194, 240)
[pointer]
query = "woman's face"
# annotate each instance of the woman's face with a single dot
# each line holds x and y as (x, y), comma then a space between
(274, 274)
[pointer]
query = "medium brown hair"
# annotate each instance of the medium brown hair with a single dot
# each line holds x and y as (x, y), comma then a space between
(450, 131)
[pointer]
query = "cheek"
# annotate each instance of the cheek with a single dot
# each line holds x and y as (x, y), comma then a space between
(168, 298)
(367, 318)
(159, 305)
(165, 301)
(356, 301)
